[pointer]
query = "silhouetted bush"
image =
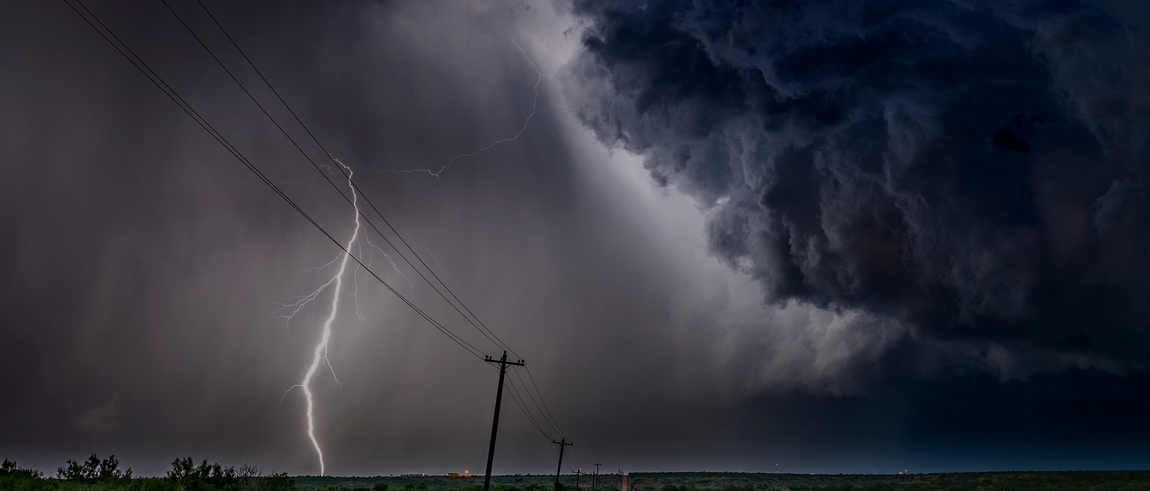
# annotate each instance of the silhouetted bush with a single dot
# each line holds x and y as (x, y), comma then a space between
(187, 476)
(15, 478)
(93, 470)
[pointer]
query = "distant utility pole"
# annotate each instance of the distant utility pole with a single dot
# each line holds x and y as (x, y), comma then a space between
(503, 363)
(596, 478)
(577, 474)
(562, 444)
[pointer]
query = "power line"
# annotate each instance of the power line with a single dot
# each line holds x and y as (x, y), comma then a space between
(537, 391)
(520, 401)
(171, 93)
(174, 96)
(578, 462)
(570, 463)
(481, 327)
(545, 411)
(536, 403)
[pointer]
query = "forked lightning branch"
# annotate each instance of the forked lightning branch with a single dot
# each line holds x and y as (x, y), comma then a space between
(319, 355)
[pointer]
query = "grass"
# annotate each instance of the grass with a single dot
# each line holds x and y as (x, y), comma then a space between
(104, 475)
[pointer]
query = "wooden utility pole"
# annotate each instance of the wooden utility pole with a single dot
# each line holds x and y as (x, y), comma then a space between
(596, 478)
(562, 444)
(577, 474)
(503, 363)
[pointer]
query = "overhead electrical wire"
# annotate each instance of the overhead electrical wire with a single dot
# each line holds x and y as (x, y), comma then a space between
(568, 459)
(152, 76)
(482, 328)
(545, 411)
(172, 94)
(536, 403)
(578, 462)
(515, 396)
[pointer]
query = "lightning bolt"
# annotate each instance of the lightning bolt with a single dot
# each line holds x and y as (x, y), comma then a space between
(320, 353)
(287, 311)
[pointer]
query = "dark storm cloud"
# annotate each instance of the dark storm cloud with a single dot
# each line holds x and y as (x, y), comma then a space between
(975, 170)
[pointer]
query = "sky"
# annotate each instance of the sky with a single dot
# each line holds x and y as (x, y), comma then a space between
(834, 236)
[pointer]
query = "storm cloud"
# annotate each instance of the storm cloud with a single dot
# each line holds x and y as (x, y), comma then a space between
(969, 176)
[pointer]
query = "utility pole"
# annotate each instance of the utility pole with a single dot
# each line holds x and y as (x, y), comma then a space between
(562, 444)
(503, 363)
(577, 474)
(596, 478)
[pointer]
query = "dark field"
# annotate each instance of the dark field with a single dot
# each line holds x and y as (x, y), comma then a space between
(104, 475)
(718, 481)
(1061, 480)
